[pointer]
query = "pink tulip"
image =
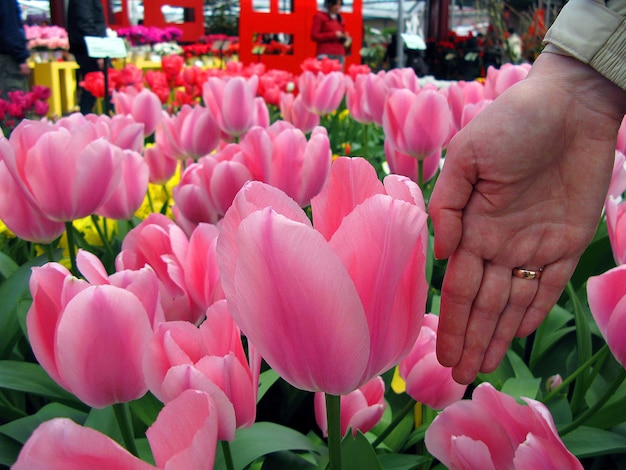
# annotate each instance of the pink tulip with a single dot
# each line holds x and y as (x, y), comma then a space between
(417, 124)
(493, 431)
(232, 102)
(294, 111)
(322, 93)
(616, 225)
(606, 294)
(405, 165)
(66, 175)
(281, 156)
(621, 137)
(365, 97)
(618, 178)
(192, 133)
(210, 358)
(326, 311)
(23, 218)
(207, 188)
(427, 381)
(122, 131)
(131, 190)
(202, 275)
(184, 435)
(360, 410)
(144, 106)
(162, 167)
(71, 321)
(158, 242)
(460, 94)
(403, 78)
(471, 110)
(498, 80)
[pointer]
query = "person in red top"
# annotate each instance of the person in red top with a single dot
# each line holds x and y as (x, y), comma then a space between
(329, 32)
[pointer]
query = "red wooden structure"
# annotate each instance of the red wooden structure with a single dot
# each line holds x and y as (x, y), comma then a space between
(296, 24)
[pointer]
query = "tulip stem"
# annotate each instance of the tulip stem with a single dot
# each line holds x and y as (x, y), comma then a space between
(333, 415)
(49, 251)
(103, 236)
(592, 410)
(124, 422)
(420, 174)
(365, 139)
(228, 456)
(150, 203)
(71, 246)
(394, 423)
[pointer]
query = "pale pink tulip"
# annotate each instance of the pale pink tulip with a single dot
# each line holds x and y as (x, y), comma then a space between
(184, 435)
(427, 381)
(294, 111)
(368, 97)
(158, 242)
(498, 80)
(417, 124)
(232, 102)
(618, 178)
(493, 431)
(90, 338)
(406, 165)
(144, 106)
(131, 191)
(207, 188)
(471, 110)
(606, 294)
(211, 358)
(282, 157)
(122, 131)
(322, 93)
(202, 275)
(191, 133)
(616, 226)
(162, 167)
(67, 175)
(621, 137)
(460, 94)
(22, 217)
(326, 311)
(360, 410)
(402, 78)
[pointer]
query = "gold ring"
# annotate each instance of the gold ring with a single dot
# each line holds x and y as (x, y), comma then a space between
(527, 273)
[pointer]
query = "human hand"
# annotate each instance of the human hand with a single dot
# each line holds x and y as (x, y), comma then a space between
(24, 68)
(523, 185)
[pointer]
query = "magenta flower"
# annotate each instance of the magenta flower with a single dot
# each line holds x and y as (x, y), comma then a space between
(427, 381)
(323, 308)
(493, 431)
(606, 294)
(360, 410)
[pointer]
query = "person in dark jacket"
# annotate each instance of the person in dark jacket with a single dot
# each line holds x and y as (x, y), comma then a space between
(85, 18)
(14, 54)
(329, 32)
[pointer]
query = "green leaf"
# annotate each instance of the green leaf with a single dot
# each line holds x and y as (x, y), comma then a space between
(357, 453)
(261, 439)
(591, 442)
(146, 408)
(31, 378)
(266, 380)
(402, 461)
(520, 369)
(613, 413)
(560, 410)
(21, 429)
(7, 265)
(104, 420)
(9, 450)
(526, 387)
(551, 330)
(286, 459)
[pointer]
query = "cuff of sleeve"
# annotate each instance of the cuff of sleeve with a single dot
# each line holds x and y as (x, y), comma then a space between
(610, 61)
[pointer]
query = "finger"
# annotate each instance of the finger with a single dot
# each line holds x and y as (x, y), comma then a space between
(523, 292)
(451, 194)
(553, 280)
(457, 295)
(491, 300)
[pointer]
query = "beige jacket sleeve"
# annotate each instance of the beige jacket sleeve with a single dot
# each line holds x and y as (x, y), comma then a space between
(594, 32)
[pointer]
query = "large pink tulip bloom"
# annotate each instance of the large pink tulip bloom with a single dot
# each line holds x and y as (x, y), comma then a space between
(323, 308)
(322, 93)
(616, 225)
(417, 124)
(122, 131)
(493, 431)
(210, 358)
(282, 157)
(461, 94)
(184, 435)
(402, 78)
(144, 106)
(498, 80)
(405, 165)
(606, 294)
(131, 191)
(427, 381)
(67, 175)
(233, 102)
(360, 410)
(191, 133)
(158, 242)
(366, 101)
(293, 111)
(91, 338)
(21, 216)
(162, 166)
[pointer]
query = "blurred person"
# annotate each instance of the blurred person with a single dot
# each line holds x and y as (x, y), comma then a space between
(329, 32)
(14, 68)
(522, 189)
(85, 18)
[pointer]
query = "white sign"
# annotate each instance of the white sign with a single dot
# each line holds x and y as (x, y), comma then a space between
(101, 48)
(414, 41)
